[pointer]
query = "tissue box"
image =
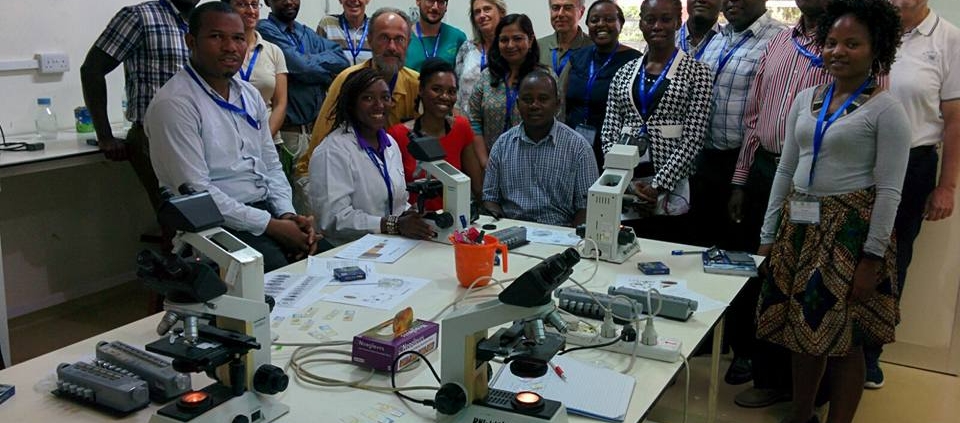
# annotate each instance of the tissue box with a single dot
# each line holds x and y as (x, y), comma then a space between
(376, 350)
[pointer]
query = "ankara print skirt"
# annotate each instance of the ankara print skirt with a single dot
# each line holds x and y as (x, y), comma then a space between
(804, 302)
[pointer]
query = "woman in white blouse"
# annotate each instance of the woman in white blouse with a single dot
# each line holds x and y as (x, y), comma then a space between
(472, 57)
(357, 183)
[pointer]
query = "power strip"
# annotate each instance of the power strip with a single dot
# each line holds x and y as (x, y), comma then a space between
(667, 349)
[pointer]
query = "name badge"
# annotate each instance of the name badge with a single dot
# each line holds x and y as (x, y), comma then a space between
(805, 211)
(588, 132)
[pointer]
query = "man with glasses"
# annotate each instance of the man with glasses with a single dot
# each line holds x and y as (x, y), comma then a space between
(389, 38)
(312, 62)
(565, 19)
(431, 37)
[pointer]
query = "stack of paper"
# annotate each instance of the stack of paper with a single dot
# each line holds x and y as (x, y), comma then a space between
(589, 391)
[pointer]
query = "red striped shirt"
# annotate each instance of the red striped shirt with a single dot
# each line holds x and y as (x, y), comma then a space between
(783, 72)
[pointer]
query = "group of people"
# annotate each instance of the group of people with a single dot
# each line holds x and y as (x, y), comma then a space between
(815, 145)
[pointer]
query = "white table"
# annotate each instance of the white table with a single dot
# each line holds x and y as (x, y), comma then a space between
(429, 260)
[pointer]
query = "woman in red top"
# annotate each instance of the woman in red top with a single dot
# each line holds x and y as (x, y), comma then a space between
(438, 94)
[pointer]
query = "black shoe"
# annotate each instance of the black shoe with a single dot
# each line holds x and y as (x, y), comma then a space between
(739, 372)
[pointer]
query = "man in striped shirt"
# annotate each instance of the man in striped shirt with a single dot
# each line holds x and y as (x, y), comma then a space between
(790, 64)
(147, 39)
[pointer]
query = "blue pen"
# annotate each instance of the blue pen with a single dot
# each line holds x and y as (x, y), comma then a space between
(683, 253)
(463, 221)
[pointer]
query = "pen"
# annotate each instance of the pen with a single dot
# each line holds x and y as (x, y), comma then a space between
(463, 221)
(685, 252)
(558, 371)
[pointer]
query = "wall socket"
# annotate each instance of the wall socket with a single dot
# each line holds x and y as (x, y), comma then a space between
(54, 62)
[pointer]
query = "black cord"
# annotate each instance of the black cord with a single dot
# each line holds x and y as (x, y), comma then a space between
(11, 146)
(393, 377)
(587, 347)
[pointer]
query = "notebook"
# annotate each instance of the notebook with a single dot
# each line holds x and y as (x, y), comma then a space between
(589, 390)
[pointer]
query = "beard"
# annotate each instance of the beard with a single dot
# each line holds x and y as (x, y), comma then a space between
(386, 69)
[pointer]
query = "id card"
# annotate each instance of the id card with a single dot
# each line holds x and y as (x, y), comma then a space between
(588, 132)
(805, 211)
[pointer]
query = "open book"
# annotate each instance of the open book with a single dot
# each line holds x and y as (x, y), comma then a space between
(589, 390)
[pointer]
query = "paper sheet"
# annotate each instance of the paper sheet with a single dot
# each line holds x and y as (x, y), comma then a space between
(293, 292)
(567, 238)
(323, 266)
(668, 285)
(377, 248)
(588, 391)
(383, 292)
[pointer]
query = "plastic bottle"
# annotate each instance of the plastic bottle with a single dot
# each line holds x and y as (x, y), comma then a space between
(45, 120)
(126, 123)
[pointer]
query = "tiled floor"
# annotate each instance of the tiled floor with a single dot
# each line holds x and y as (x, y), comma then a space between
(910, 395)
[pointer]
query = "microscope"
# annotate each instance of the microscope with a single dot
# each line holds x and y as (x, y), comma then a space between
(216, 296)
(614, 242)
(442, 179)
(526, 347)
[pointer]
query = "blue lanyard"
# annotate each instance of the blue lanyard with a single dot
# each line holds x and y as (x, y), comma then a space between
(646, 96)
(815, 60)
(354, 49)
(724, 58)
(290, 36)
(511, 101)
(594, 73)
(685, 44)
(558, 67)
(384, 171)
(823, 123)
(483, 58)
(253, 61)
(176, 15)
(436, 44)
(242, 110)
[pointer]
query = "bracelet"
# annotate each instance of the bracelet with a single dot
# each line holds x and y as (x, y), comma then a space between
(392, 227)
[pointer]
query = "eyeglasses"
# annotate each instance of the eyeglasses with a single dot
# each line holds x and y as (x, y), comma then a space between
(441, 3)
(251, 5)
(386, 39)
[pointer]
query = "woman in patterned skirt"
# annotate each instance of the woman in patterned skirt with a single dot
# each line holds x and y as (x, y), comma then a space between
(830, 285)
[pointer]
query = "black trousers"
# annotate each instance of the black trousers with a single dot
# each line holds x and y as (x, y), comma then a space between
(274, 254)
(139, 147)
(709, 194)
(919, 182)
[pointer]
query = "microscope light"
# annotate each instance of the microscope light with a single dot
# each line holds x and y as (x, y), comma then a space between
(193, 399)
(527, 401)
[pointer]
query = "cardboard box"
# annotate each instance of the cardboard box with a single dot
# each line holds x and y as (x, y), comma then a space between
(374, 349)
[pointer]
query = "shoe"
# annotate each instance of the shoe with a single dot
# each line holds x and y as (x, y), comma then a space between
(758, 398)
(739, 372)
(874, 377)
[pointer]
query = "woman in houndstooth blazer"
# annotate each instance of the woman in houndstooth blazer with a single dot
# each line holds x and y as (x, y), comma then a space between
(674, 112)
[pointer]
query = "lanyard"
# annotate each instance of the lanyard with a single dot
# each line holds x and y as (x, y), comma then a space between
(176, 15)
(823, 122)
(436, 44)
(290, 36)
(511, 101)
(242, 110)
(646, 96)
(355, 49)
(685, 43)
(724, 58)
(594, 73)
(483, 58)
(815, 60)
(558, 66)
(253, 61)
(384, 171)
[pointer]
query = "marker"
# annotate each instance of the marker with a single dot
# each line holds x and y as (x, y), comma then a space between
(463, 221)
(558, 371)
(685, 252)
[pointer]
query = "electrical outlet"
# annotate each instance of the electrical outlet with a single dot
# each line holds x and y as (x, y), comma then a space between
(54, 62)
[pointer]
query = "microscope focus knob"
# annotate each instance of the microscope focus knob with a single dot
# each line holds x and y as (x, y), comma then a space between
(450, 399)
(270, 379)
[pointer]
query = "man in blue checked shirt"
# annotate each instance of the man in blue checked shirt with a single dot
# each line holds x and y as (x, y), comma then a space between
(313, 62)
(541, 170)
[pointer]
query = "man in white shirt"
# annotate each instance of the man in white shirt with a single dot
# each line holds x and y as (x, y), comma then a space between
(209, 129)
(926, 79)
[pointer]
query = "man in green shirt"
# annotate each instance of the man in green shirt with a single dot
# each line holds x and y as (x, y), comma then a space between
(565, 19)
(432, 38)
